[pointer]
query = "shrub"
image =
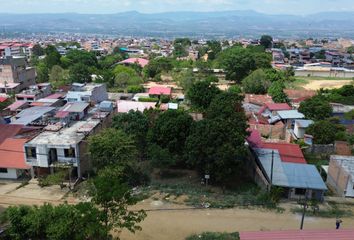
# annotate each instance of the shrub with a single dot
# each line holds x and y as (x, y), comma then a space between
(135, 89)
(214, 236)
(148, 99)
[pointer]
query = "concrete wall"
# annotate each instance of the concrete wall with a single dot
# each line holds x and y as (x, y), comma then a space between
(340, 74)
(321, 149)
(337, 178)
(276, 131)
(11, 174)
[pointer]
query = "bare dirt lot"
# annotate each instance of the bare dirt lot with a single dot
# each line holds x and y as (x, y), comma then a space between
(178, 224)
(328, 84)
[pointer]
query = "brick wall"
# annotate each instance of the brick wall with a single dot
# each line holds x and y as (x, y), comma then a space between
(273, 131)
(337, 178)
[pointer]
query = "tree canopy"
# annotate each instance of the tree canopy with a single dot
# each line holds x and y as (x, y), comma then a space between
(240, 62)
(257, 82)
(316, 108)
(111, 147)
(201, 94)
(266, 41)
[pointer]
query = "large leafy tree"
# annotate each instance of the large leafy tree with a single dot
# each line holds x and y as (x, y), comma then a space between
(266, 41)
(240, 62)
(324, 132)
(112, 147)
(201, 94)
(79, 72)
(171, 130)
(58, 76)
(63, 222)
(52, 57)
(157, 66)
(136, 124)
(257, 82)
(216, 144)
(37, 50)
(276, 90)
(113, 195)
(80, 56)
(316, 108)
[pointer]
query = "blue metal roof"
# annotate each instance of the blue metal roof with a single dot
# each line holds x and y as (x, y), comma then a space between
(291, 175)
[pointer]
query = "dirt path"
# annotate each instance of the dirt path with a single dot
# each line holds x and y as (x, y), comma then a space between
(328, 84)
(178, 224)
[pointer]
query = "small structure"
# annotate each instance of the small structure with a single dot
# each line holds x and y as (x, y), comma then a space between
(300, 127)
(34, 92)
(271, 109)
(125, 106)
(139, 61)
(289, 117)
(75, 111)
(90, 93)
(340, 176)
(34, 116)
(297, 179)
(160, 91)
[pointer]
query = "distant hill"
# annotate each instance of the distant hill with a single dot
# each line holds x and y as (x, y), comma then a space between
(172, 24)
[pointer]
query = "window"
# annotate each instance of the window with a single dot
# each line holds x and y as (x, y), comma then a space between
(300, 191)
(31, 152)
(69, 153)
(3, 170)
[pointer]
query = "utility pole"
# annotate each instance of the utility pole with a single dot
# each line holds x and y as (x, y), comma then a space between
(271, 171)
(303, 211)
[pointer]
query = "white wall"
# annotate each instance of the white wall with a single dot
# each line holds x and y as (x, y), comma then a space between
(350, 190)
(11, 174)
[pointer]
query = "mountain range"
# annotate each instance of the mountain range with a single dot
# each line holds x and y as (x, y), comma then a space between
(192, 24)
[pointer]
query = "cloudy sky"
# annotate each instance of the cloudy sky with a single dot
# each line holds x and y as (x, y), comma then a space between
(151, 6)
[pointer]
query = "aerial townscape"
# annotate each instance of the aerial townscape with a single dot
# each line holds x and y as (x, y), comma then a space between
(175, 124)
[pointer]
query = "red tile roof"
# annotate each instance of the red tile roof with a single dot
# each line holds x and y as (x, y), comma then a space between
(160, 91)
(258, 99)
(3, 99)
(299, 235)
(288, 152)
(274, 107)
(9, 130)
(140, 61)
(12, 154)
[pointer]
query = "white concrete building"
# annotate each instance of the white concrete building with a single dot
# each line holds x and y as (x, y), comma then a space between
(90, 92)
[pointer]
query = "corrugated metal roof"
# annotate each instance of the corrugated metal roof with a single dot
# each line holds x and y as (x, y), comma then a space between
(292, 175)
(11, 154)
(290, 114)
(299, 235)
(31, 114)
(75, 107)
(303, 123)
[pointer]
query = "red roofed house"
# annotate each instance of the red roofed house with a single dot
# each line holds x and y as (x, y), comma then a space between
(270, 109)
(140, 61)
(158, 91)
(12, 156)
(288, 152)
(345, 234)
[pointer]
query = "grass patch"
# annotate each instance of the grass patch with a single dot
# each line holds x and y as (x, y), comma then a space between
(214, 236)
(333, 210)
(297, 83)
(200, 196)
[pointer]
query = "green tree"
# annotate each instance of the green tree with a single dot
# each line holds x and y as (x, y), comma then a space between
(216, 144)
(157, 66)
(62, 222)
(201, 94)
(113, 195)
(240, 62)
(136, 124)
(324, 132)
(160, 157)
(257, 82)
(82, 57)
(42, 72)
(235, 89)
(58, 76)
(37, 50)
(111, 147)
(80, 73)
(276, 90)
(170, 131)
(215, 48)
(184, 79)
(266, 41)
(316, 108)
(52, 57)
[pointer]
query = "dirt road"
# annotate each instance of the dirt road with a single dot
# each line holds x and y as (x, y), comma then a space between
(328, 84)
(178, 224)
